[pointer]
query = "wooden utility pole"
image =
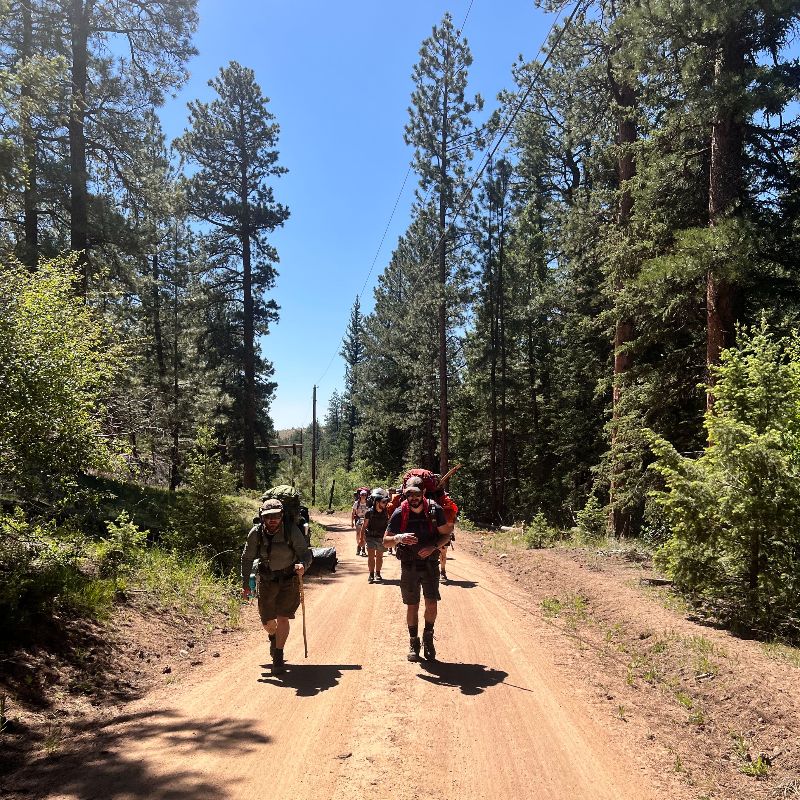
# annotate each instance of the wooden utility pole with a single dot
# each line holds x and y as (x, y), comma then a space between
(314, 448)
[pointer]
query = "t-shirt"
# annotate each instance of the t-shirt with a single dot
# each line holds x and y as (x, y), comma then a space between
(427, 535)
(375, 523)
(360, 509)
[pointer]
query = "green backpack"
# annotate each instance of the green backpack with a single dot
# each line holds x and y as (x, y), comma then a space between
(290, 498)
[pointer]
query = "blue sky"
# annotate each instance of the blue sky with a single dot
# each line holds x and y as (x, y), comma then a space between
(338, 76)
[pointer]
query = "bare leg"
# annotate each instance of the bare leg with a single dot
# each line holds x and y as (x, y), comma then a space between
(282, 632)
(378, 560)
(371, 560)
(430, 610)
(412, 615)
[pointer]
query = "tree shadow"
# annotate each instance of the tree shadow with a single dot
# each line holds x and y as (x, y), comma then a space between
(102, 765)
(307, 679)
(470, 679)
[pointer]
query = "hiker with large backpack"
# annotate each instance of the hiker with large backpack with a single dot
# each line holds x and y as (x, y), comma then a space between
(417, 529)
(375, 521)
(357, 514)
(442, 498)
(282, 549)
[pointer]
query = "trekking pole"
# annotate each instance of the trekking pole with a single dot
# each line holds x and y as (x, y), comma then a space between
(303, 606)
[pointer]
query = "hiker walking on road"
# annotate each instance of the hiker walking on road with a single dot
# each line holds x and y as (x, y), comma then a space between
(284, 556)
(375, 522)
(440, 497)
(357, 521)
(418, 528)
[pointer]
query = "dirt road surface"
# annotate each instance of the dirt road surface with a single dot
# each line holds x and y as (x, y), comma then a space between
(492, 718)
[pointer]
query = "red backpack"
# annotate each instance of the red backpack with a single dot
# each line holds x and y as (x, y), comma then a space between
(429, 482)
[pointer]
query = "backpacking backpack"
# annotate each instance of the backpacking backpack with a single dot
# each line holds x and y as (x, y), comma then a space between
(429, 482)
(357, 492)
(289, 497)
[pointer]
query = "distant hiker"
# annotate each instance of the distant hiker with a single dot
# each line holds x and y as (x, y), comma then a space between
(418, 528)
(284, 555)
(395, 496)
(375, 522)
(450, 509)
(357, 520)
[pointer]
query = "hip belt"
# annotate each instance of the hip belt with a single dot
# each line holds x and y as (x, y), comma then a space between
(280, 575)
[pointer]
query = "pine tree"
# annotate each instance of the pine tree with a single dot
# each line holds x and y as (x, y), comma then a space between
(442, 132)
(353, 354)
(232, 140)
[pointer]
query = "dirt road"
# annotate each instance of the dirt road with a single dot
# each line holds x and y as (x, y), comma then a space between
(493, 718)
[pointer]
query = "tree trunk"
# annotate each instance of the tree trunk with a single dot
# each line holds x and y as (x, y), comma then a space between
(624, 328)
(249, 444)
(444, 455)
(155, 293)
(79, 201)
(501, 334)
(30, 199)
(725, 186)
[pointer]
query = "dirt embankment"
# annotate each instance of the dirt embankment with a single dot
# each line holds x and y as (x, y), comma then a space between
(558, 677)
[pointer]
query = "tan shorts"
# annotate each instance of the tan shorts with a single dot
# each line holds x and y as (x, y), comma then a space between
(277, 598)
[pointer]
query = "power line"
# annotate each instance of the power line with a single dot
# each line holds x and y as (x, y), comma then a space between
(391, 217)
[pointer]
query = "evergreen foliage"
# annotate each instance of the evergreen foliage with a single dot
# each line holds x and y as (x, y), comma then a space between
(734, 512)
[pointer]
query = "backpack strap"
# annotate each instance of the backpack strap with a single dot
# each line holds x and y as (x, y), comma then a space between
(287, 539)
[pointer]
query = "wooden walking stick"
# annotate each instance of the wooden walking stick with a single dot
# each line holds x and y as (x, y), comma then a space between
(303, 606)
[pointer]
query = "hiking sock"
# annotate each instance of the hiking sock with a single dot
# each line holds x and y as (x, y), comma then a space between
(371, 578)
(413, 631)
(272, 645)
(278, 664)
(427, 642)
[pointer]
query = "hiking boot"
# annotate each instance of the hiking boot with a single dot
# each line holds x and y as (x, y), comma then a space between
(427, 646)
(278, 663)
(378, 578)
(413, 649)
(272, 646)
(358, 551)
(371, 578)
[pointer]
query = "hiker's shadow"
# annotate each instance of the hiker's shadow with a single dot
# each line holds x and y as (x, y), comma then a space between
(461, 584)
(390, 581)
(307, 679)
(469, 678)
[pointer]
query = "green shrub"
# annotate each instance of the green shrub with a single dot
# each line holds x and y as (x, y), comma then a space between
(56, 363)
(592, 521)
(206, 521)
(734, 512)
(121, 550)
(538, 533)
(40, 569)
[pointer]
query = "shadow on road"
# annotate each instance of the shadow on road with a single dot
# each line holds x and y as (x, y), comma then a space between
(469, 678)
(104, 765)
(307, 679)
(461, 584)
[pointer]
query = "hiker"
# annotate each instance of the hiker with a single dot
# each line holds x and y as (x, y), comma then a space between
(418, 528)
(284, 557)
(394, 502)
(450, 509)
(375, 522)
(357, 520)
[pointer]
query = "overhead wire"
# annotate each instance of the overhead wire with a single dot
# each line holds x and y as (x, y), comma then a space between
(503, 130)
(389, 222)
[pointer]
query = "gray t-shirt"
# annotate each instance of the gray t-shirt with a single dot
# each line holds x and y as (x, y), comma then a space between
(279, 556)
